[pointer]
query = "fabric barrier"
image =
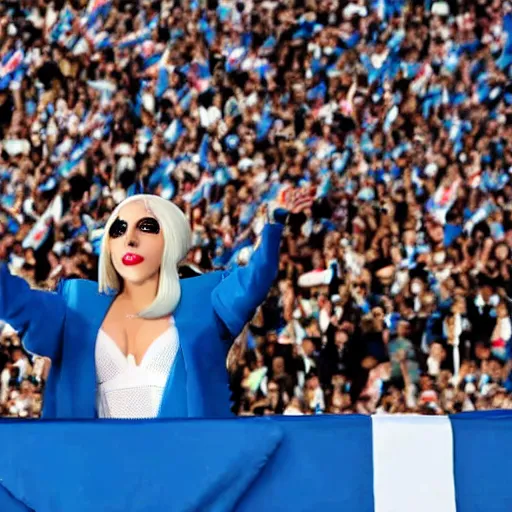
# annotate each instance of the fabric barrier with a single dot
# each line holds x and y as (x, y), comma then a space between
(321, 463)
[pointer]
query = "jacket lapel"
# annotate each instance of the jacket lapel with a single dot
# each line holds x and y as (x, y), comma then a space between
(175, 400)
(100, 305)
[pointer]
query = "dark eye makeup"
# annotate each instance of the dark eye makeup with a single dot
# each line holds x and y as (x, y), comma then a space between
(146, 225)
(149, 225)
(118, 228)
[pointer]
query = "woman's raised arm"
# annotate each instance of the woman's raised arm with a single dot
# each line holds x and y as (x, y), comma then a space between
(37, 315)
(242, 290)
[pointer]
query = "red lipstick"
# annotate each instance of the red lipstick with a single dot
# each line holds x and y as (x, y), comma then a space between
(132, 259)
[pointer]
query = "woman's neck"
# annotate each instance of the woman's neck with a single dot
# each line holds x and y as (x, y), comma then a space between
(140, 295)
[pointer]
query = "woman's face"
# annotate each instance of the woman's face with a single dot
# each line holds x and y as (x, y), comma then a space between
(136, 243)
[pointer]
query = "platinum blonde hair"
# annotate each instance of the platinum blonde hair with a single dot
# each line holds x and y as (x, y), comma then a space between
(177, 241)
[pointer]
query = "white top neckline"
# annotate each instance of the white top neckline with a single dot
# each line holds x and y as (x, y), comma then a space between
(130, 358)
(128, 390)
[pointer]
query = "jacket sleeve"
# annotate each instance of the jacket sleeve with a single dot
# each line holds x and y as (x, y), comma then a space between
(37, 315)
(243, 289)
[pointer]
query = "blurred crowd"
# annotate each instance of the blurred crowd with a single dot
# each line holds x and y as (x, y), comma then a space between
(22, 378)
(394, 290)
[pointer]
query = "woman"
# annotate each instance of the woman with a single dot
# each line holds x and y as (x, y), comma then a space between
(141, 343)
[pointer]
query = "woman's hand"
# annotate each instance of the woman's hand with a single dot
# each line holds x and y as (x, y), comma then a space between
(299, 200)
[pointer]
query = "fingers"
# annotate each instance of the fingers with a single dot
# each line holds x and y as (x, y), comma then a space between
(300, 200)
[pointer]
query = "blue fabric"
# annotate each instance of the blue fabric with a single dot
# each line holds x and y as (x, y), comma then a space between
(126, 466)
(302, 464)
(230, 299)
(451, 232)
(9, 503)
(324, 463)
(483, 451)
(175, 398)
(198, 387)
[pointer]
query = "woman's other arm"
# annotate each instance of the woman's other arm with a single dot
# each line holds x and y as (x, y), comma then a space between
(37, 315)
(242, 290)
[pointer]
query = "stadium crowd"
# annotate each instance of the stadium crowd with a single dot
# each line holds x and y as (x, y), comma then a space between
(394, 290)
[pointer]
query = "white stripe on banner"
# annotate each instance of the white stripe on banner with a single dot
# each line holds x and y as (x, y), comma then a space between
(413, 464)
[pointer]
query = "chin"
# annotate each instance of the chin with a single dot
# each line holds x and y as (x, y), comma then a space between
(135, 276)
(136, 281)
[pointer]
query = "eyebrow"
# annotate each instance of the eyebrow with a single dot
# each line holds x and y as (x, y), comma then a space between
(147, 217)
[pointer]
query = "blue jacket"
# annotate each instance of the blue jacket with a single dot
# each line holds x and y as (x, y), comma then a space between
(63, 325)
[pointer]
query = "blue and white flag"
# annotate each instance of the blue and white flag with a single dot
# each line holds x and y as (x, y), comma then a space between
(204, 150)
(389, 463)
(97, 9)
(62, 26)
(102, 41)
(41, 229)
(200, 192)
(174, 131)
(134, 39)
(235, 58)
(105, 87)
(75, 158)
(12, 68)
(444, 198)
(384, 463)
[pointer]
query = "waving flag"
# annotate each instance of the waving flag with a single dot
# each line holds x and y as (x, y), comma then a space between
(11, 63)
(12, 68)
(340, 164)
(95, 238)
(207, 31)
(204, 149)
(104, 86)
(199, 76)
(264, 125)
(235, 58)
(186, 100)
(174, 131)
(324, 188)
(102, 41)
(41, 229)
(268, 46)
(444, 198)
(152, 61)
(134, 39)
(161, 173)
(273, 192)
(162, 82)
(63, 25)
(77, 155)
(97, 9)
(480, 215)
(202, 191)
(390, 118)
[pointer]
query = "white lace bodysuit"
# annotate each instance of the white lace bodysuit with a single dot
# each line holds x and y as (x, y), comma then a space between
(128, 390)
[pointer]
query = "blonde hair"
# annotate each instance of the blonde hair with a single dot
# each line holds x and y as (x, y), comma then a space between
(177, 241)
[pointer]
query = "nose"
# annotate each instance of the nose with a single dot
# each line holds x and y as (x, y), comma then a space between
(131, 239)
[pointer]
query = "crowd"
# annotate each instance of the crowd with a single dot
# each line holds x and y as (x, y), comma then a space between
(394, 290)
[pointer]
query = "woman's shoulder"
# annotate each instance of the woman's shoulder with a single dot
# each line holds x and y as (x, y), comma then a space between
(81, 286)
(202, 281)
